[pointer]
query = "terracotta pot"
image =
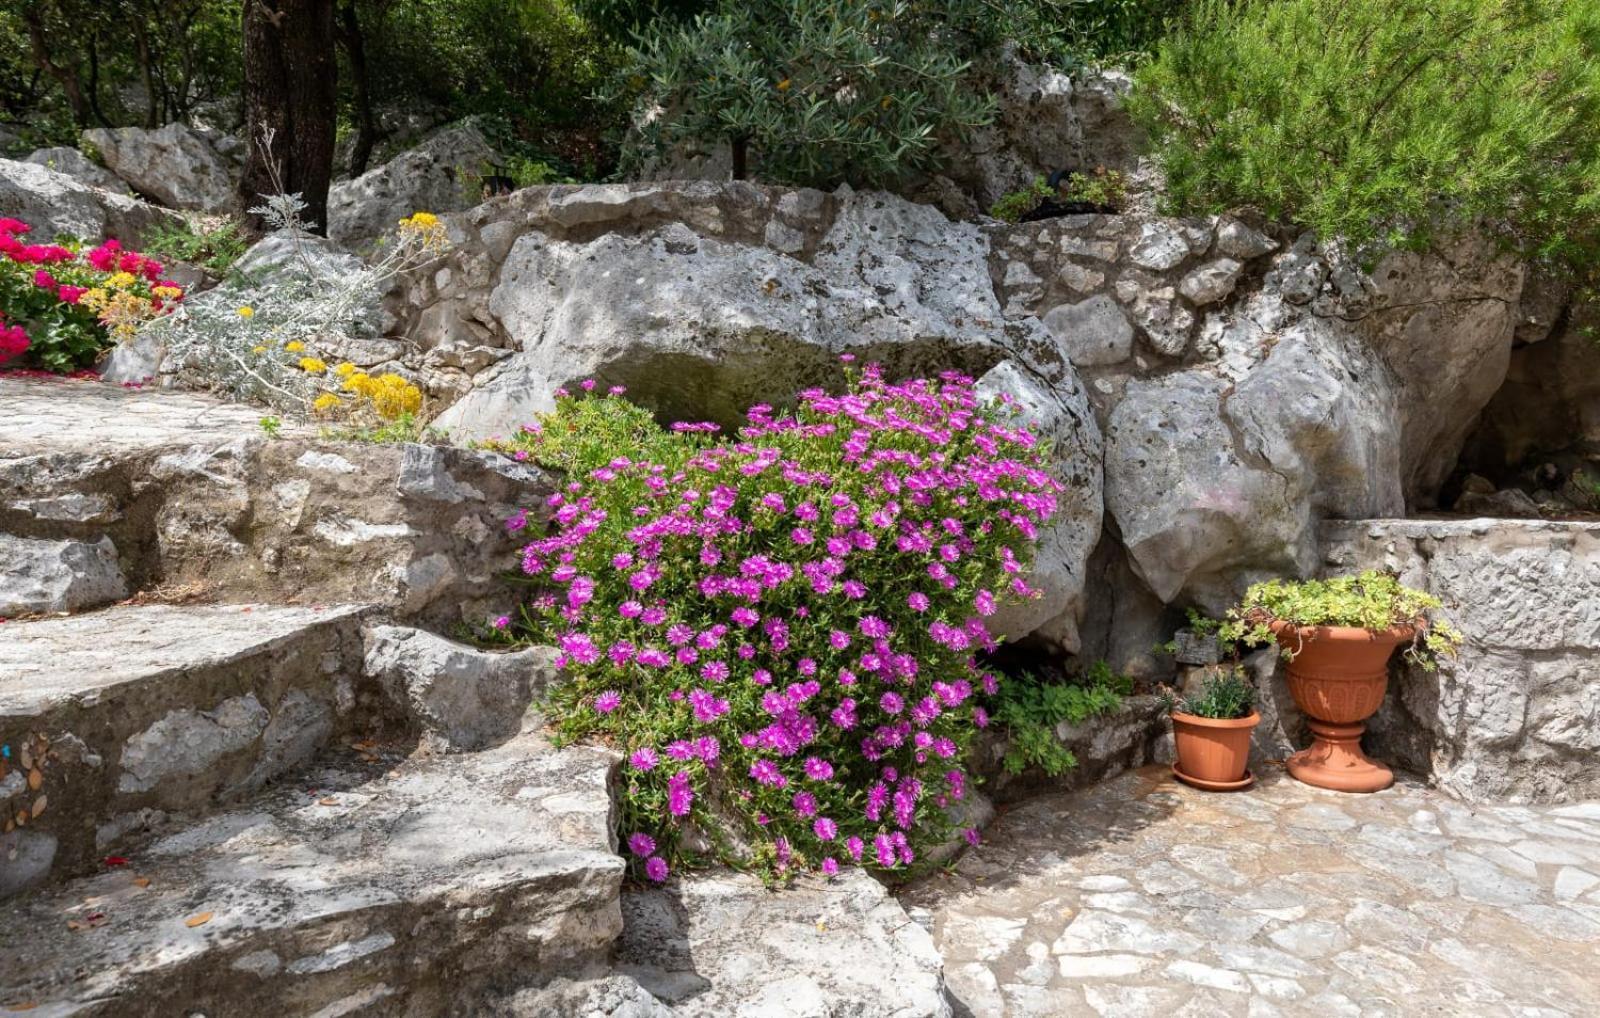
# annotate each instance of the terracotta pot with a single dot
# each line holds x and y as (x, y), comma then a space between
(1338, 677)
(1213, 753)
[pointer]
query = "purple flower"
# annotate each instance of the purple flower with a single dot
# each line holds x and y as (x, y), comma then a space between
(824, 829)
(804, 803)
(830, 866)
(680, 794)
(817, 769)
(918, 601)
(643, 759)
(767, 773)
(854, 846)
(891, 703)
(607, 701)
(972, 836)
(984, 602)
(641, 844)
(655, 868)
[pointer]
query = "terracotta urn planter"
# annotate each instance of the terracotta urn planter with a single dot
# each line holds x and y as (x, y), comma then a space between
(1213, 753)
(1338, 676)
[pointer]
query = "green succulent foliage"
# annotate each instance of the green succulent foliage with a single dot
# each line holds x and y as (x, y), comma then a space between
(1369, 600)
(1222, 696)
(819, 92)
(1387, 122)
(1029, 708)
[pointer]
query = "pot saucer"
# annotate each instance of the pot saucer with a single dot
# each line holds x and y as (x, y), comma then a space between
(1215, 786)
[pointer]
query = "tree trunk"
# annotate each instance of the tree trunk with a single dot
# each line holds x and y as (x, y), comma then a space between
(66, 77)
(290, 76)
(355, 50)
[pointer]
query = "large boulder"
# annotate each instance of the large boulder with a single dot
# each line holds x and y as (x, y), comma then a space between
(179, 166)
(705, 299)
(79, 167)
(440, 175)
(1059, 414)
(55, 204)
(38, 576)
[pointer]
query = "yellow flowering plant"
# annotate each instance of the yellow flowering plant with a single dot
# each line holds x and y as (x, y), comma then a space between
(278, 341)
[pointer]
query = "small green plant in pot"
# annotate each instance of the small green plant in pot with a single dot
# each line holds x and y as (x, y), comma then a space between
(1211, 728)
(1338, 636)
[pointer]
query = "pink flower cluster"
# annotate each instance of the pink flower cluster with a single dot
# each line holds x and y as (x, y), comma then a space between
(784, 629)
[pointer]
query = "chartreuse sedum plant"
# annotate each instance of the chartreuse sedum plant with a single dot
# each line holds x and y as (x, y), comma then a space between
(1385, 121)
(780, 628)
(272, 341)
(1370, 600)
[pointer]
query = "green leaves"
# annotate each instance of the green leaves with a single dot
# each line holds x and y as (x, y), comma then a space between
(1030, 708)
(1387, 122)
(1222, 696)
(820, 92)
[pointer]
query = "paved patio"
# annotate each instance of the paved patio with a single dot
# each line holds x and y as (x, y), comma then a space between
(1143, 897)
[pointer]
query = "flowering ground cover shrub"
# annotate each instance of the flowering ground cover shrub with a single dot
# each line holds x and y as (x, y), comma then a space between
(61, 306)
(781, 629)
(272, 342)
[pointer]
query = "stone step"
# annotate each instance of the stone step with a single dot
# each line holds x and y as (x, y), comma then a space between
(361, 891)
(112, 721)
(105, 490)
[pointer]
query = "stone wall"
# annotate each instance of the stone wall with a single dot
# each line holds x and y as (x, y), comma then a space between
(1517, 716)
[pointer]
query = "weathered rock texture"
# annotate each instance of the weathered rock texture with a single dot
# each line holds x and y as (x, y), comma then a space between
(149, 711)
(410, 891)
(181, 167)
(466, 697)
(57, 576)
(719, 943)
(77, 166)
(55, 204)
(441, 175)
(191, 493)
(1517, 715)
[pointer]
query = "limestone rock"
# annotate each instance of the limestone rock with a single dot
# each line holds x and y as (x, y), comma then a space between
(1212, 281)
(56, 204)
(701, 325)
(611, 996)
(440, 175)
(1062, 416)
(179, 166)
(718, 943)
(1093, 332)
(398, 890)
(1237, 240)
(40, 576)
(469, 698)
(79, 167)
(1158, 247)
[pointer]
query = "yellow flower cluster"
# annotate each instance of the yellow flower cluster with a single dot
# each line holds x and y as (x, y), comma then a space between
(313, 365)
(391, 396)
(425, 230)
(120, 311)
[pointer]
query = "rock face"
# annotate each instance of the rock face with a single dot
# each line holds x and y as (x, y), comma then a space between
(79, 167)
(705, 299)
(147, 711)
(1516, 715)
(1044, 121)
(440, 175)
(179, 166)
(57, 576)
(469, 698)
(192, 493)
(718, 943)
(55, 204)
(396, 891)
(1061, 416)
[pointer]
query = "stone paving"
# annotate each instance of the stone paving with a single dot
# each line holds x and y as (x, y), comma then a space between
(1144, 897)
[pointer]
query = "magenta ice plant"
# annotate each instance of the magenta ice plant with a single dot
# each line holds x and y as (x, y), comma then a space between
(782, 630)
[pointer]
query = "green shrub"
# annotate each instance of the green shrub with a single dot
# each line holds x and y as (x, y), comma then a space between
(1386, 121)
(1068, 33)
(815, 92)
(1028, 709)
(1013, 206)
(211, 246)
